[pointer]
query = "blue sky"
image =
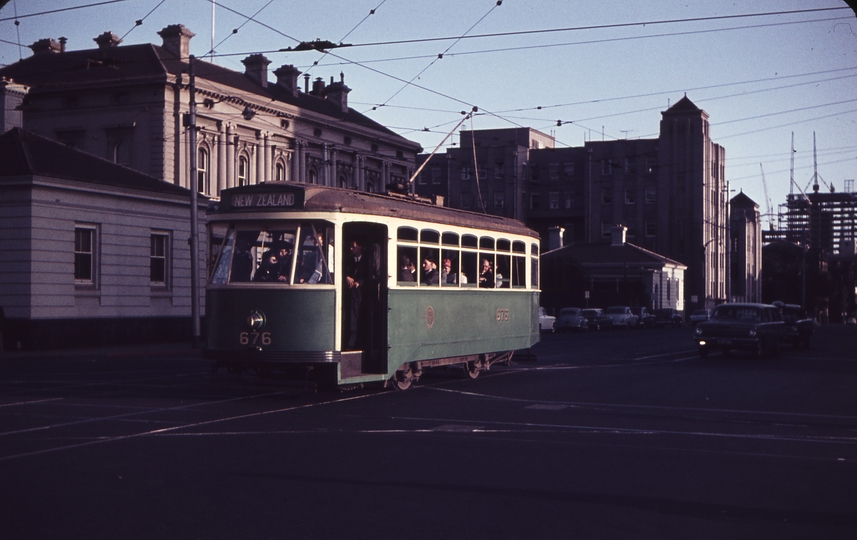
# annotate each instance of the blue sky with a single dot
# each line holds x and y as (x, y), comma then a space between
(761, 74)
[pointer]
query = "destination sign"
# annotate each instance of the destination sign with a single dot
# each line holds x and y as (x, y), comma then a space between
(271, 200)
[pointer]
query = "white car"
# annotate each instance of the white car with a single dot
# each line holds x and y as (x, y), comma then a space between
(545, 321)
(621, 317)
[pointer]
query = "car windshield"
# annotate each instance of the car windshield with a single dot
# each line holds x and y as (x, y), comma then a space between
(568, 312)
(737, 313)
(615, 310)
(589, 312)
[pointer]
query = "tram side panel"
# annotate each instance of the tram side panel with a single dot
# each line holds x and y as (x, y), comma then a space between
(425, 324)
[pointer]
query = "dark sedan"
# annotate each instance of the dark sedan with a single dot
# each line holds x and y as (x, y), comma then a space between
(757, 328)
(596, 320)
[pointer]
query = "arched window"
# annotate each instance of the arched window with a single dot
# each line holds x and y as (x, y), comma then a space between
(369, 187)
(312, 176)
(243, 171)
(343, 181)
(280, 172)
(202, 171)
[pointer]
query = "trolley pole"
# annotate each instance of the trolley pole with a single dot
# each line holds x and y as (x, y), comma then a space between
(194, 212)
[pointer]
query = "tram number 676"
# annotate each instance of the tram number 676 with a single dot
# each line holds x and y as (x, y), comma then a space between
(503, 314)
(254, 338)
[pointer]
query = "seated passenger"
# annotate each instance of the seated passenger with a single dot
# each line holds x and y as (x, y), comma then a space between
(430, 276)
(408, 271)
(267, 271)
(486, 276)
(446, 274)
(284, 264)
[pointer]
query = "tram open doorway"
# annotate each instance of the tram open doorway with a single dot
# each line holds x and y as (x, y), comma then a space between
(364, 302)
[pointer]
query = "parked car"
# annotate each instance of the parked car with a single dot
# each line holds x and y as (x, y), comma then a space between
(545, 321)
(799, 327)
(621, 317)
(644, 318)
(596, 320)
(570, 318)
(698, 316)
(758, 328)
(668, 317)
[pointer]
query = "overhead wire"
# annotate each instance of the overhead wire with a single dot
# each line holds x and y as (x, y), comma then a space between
(440, 56)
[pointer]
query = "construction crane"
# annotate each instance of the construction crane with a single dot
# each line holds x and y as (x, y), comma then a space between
(770, 212)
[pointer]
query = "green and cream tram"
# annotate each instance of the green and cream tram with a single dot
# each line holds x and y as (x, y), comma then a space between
(438, 286)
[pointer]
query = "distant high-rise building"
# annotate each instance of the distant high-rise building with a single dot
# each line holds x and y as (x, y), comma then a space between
(670, 192)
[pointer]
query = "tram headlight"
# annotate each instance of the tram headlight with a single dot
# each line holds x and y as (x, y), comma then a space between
(256, 320)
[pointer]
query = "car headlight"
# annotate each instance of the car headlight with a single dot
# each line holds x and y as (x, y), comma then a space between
(698, 331)
(752, 332)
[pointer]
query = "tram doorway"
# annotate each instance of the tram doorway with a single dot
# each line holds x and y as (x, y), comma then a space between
(364, 291)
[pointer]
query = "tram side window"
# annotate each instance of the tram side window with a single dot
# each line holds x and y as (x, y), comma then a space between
(502, 275)
(534, 270)
(519, 272)
(450, 276)
(469, 268)
(407, 257)
(487, 275)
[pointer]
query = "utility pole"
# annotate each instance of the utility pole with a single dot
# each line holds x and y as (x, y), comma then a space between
(194, 211)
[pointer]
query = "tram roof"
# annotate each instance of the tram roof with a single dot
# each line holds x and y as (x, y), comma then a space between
(296, 197)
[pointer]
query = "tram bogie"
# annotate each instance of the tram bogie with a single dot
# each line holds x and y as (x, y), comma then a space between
(320, 284)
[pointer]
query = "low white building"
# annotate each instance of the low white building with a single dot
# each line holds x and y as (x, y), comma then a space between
(93, 253)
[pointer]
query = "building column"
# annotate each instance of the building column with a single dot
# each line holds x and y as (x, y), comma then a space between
(229, 153)
(267, 165)
(296, 161)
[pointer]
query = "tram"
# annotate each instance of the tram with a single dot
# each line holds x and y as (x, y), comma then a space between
(342, 287)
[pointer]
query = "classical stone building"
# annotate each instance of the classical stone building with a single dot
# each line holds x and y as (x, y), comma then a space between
(131, 104)
(670, 193)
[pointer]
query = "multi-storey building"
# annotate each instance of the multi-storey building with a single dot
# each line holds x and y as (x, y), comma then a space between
(131, 104)
(670, 192)
(745, 249)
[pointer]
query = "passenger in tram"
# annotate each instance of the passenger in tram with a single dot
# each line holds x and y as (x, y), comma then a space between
(430, 276)
(242, 263)
(284, 262)
(267, 271)
(361, 271)
(447, 276)
(407, 272)
(486, 276)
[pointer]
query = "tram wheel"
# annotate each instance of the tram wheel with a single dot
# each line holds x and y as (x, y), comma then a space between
(403, 378)
(472, 369)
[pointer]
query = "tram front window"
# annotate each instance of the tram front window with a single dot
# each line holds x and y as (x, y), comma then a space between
(287, 253)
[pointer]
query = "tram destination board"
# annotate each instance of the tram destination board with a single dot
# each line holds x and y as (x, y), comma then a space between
(273, 198)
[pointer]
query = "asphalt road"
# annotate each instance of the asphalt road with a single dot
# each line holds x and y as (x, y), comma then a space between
(602, 435)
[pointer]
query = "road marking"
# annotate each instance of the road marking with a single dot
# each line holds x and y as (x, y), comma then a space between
(167, 430)
(30, 402)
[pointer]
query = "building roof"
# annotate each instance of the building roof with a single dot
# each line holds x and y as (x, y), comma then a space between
(684, 105)
(136, 64)
(23, 153)
(743, 200)
(610, 255)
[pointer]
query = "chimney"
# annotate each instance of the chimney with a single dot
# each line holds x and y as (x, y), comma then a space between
(107, 40)
(45, 46)
(555, 235)
(287, 79)
(177, 40)
(617, 235)
(63, 41)
(318, 87)
(256, 67)
(337, 93)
